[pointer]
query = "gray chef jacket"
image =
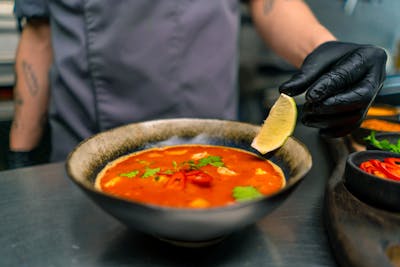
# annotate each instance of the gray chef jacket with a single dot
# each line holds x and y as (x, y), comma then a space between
(117, 62)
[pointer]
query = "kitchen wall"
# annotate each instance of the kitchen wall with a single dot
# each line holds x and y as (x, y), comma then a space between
(8, 43)
(371, 21)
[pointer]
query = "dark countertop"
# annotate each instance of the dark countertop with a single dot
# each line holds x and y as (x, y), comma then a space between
(47, 221)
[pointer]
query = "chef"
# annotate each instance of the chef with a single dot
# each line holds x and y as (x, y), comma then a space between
(88, 66)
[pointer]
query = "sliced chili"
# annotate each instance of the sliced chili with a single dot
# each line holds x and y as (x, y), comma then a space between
(199, 178)
(388, 168)
(177, 180)
(391, 171)
(394, 161)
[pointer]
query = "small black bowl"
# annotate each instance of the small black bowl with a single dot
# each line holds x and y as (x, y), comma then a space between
(373, 190)
(391, 137)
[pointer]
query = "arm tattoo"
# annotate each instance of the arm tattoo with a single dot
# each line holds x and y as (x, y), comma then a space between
(18, 101)
(30, 77)
(15, 124)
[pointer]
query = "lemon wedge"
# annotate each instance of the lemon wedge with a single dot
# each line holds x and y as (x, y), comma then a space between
(278, 125)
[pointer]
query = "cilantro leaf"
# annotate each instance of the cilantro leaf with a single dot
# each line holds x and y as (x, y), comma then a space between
(245, 193)
(129, 174)
(210, 160)
(150, 172)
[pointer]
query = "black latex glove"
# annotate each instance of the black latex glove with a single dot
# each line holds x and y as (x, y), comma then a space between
(341, 80)
(18, 159)
(38, 155)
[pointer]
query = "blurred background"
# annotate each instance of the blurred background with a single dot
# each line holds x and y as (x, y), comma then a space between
(8, 43)
(361, 21)
(260, 70)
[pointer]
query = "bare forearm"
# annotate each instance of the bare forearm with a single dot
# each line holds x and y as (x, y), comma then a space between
(31, 91)
(289, 28)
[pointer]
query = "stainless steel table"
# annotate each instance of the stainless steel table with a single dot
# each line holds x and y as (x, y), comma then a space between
(47, 221)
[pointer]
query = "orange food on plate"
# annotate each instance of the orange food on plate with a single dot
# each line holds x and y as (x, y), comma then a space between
(380, 125)
(191, 176)
(382, 111)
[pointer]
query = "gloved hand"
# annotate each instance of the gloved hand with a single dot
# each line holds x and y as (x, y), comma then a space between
(341, 81)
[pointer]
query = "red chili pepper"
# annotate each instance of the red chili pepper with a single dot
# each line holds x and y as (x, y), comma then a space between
(199, 178)
(388, 168)
(376, 163)
(177, 180)
(391, 171)
(367, 166)
(394, 161)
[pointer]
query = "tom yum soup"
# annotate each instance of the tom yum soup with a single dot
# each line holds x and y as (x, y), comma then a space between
(192, 176)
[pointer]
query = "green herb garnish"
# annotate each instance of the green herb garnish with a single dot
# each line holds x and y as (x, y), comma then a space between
(191, 164)
(210, 160)
(215, 161)
(129, 174)
(245, 193)
(150, 172)
(168, 172)
(383, 144)
(174, 164)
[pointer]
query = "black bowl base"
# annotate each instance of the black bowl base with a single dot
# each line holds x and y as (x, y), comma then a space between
(372, 203)
(192, 244)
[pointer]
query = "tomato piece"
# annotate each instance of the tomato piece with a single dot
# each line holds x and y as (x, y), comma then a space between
(199, 178)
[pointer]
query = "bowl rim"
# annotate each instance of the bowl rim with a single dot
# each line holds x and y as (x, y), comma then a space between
(217, 209)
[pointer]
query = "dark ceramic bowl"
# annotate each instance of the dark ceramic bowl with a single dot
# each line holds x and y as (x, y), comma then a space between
(375, 191)
(179, 225)
(391, 137)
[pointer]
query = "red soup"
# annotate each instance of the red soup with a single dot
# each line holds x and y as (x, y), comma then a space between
(192, 176)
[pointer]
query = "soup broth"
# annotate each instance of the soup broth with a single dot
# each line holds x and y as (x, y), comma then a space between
(190, 176)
